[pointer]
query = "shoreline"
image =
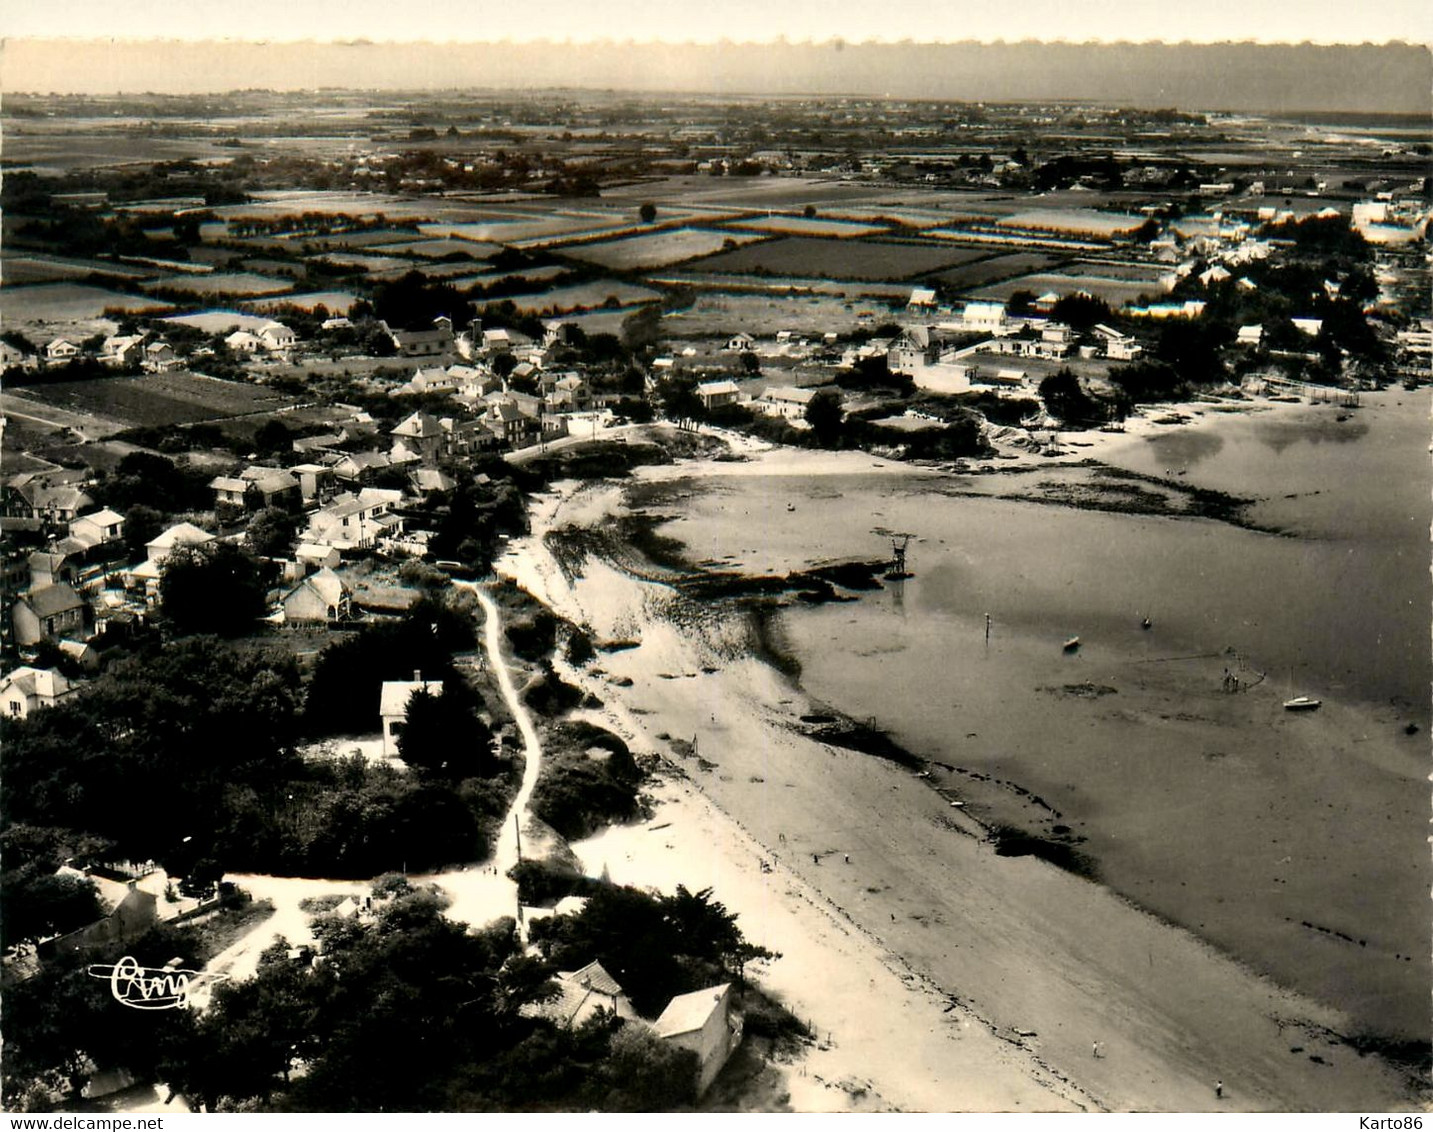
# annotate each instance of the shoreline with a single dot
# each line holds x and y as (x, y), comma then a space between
(758, 703)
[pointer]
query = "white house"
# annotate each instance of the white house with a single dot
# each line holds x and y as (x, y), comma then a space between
(984, 316)
(717, 393)
(27, 690)
(242, 342)
(785, 401)
(702, 1022)
(393, 707)
(740, 343)
(276, 336)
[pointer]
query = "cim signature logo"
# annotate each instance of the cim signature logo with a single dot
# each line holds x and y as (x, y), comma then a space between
(145, 988)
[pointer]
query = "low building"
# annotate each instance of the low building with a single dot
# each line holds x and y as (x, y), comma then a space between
(785, 401)
(393, 707)
(702, 1022)
(27, 690)
(321, 598)
(48, 614)
(581, 994)
(714, 394)
(422, 343)
(98, 529)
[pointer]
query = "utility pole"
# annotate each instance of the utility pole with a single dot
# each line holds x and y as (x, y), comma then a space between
(987, 628)
(517, 835)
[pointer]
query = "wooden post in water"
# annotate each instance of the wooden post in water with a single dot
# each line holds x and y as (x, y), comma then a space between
(987, 628)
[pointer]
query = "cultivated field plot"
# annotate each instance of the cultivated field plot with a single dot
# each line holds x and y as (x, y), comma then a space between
(1116, 292)
(1072, 222)
(811, 315)
(23, 269)
(840, 259)
(221, 283)
(67, 302)
(991, 270)
(657, 249)
(437, 249)
(525, 275)
(221, 322)
(160, 399)
(432, 270)
(1132, 272)
(335, 302)
(390, 239)
(785, 284)
(527, 229)
(584, 296)
(356, 261)
(904, 217)
(807, 226)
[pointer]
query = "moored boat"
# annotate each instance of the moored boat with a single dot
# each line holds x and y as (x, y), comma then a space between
(1072, 644)
(1302, 703)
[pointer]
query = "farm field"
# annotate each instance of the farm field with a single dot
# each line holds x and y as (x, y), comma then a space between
(1133, 272)
(877, 214)
(221, 283)
(807, 226)
(722, 314)
(23, 269)
(1116, 292)
(527, 275)
(527, 229)
(658, 249)
(66, 302)
(359, 262)
(335, 302)
(1072, 221)
(784, 284)
(221, 322)
(437, 249)
(390, 239)
(840, 259)
(159, 399)
(584, 296)
(1000, 267)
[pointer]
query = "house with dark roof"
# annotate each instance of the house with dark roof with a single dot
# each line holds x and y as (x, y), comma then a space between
(580, 995)
(422, 435)
(47, 614)
(422, 343)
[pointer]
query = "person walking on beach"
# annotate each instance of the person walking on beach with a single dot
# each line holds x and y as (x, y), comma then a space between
(1218, 1090)
(1095, 1050)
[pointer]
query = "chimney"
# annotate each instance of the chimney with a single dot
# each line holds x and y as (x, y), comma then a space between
(417, 676)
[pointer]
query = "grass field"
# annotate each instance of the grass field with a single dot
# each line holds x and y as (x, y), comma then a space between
(530, 275)
(585, 296)
(807, 226)
(657, 249)
(992, 270)
(804, 256)
(1116, 292)
(335, 302)
(159, 399)
(721, 314)
(1072, 221)
(437, 249)
(22, 269)
(220, 322)
(62, 302)
(221, 283)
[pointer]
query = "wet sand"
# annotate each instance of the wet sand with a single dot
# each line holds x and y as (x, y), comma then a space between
(1025, 947)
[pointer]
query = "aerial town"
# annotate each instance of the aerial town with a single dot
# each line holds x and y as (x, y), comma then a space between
(394, 484)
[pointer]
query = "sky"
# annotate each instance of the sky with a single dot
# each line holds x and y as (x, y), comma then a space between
(1200, 21)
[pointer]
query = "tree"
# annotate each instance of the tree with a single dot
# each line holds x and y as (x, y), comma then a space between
(809, 212)
(141, 526)
(750, 363)
(273, 439)
(825, 415)
(271, 532)
(215, 588)
(648, 212)
(1066, 399)
(443, 735)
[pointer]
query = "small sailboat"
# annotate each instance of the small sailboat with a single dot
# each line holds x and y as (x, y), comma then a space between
(1146, 623)
(1072, 644)
(1302, 703)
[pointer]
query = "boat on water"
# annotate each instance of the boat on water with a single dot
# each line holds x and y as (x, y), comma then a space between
(1072, 644)
(1146, 623)
(1302, 703)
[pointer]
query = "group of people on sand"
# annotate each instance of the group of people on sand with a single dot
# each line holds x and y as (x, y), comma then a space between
(1098, 1050)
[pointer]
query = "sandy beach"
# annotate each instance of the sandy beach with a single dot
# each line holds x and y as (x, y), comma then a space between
(1039, 960)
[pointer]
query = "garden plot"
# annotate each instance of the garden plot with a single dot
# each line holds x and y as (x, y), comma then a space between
(584, 296)
(160, 399)
(991, 270)
(657, 249)
(807, 226)
(69, 302)
(807, 257)
(220, 283)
